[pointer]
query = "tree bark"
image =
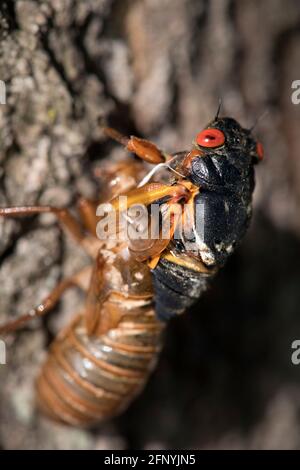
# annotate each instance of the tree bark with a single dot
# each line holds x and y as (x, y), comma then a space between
(156, 69)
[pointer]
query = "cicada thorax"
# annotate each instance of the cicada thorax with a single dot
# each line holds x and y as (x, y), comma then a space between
(179, 277)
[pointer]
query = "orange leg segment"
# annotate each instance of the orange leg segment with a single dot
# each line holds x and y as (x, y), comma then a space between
(144, 149)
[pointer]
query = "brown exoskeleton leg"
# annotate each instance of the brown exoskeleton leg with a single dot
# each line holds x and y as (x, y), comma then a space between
(151, 192)
(66, 219)
(87, 210)
(144, 149)
(80, 279)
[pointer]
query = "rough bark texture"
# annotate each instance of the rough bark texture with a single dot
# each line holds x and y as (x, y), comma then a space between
(155, 68)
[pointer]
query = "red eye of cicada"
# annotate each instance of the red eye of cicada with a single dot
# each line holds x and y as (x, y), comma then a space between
(260, 150)
(210, 138)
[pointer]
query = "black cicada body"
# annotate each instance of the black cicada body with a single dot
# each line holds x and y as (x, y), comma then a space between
(221, 165)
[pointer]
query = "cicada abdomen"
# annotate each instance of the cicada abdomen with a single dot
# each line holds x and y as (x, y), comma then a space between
(103, 359)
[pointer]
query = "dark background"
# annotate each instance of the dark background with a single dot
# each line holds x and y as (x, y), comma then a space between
(156, 68)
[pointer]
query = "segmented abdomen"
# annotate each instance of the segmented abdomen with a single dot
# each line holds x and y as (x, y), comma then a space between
(90, 378)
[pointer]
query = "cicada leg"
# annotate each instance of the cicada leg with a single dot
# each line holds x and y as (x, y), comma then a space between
(80, 279)
(66, 219)
(87, 210)
(142, 148)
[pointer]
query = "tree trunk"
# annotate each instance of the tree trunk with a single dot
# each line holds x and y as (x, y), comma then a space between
(155, 68)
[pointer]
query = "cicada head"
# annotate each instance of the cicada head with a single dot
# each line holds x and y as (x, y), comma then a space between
(223, 155)
(221, 164)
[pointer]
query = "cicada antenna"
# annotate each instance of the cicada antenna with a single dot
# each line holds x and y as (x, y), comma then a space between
(262, 116)
(219, 109)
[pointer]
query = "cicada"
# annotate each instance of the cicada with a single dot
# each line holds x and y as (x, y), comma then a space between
(136, 284)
